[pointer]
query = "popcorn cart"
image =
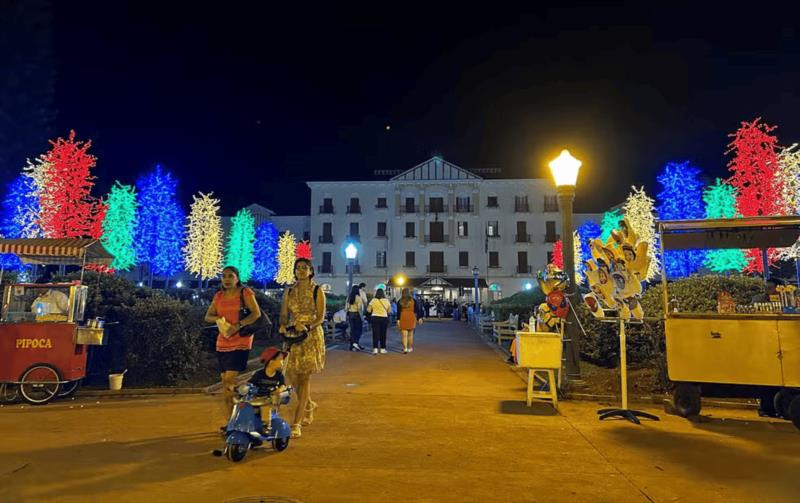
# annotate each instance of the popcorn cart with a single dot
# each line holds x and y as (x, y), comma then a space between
(749, 350)
(43, 335)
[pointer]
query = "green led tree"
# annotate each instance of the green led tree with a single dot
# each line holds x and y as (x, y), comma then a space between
(720, 201)
(241, 244)
(611, 220)
(119, 226)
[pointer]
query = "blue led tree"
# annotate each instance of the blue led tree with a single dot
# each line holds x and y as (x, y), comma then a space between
(266, 253)
(681, 198)
(160, 229)
(18, 216)
(587, 231)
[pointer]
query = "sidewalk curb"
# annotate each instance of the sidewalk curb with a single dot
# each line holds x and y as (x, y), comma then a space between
(137, 392)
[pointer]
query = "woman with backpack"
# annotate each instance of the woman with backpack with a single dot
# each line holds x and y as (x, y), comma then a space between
(355, 306)
(379, 309)
(233, 349)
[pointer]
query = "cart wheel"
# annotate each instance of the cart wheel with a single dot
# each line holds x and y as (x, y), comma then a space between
(8, 392)
(794, 411)
(39, 384)
(69, 388)
(783, 399)
(280, 444)
(686, 399)
(236, 452)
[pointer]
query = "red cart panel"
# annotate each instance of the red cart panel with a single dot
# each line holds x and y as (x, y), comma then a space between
(23, 344)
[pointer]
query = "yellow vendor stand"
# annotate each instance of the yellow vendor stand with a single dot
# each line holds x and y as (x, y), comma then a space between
(540, 353)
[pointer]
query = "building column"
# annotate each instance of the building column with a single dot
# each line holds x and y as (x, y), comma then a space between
(476, 201)
(397, 202)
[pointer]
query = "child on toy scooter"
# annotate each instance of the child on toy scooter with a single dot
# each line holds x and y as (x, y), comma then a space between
(269, 381)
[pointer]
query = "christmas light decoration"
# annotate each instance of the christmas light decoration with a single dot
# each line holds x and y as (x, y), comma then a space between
(265, 259)
(681, 198)
(67, 209)
(286, 256)
(588, 231)
(639, 210)
(788, 176)
(119, 226)
(203, 249)
(240, 244)
(720, 201)
(558, 254)
(303, 250)
(160, 231)
(578, 254)
(37, 173)
(754, 166)
(20, 211)
(99, 268)
(611, 220)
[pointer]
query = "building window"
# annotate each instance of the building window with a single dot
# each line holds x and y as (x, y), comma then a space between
(463, 229)
(492, 202)
(380, 260)
(549, 257)
(551, 204)
(306, 235)
(327, 233)
(522, 233)
(354, 231)
(410, 205)
(410, 259)
(493, 229)
(381, 229)
(326, 267)
(463, 259)
(522, 263)
(462, 204)
(494, 259)
(436, 263)
(410, 230)
(521, 204)
(355, 206)
(327, 206)
(550, 235)
(437, 233)
(436, 205)
(381, 202)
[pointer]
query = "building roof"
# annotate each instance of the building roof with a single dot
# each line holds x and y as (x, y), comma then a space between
(436, 168)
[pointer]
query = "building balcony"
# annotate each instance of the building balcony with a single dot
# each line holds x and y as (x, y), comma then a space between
(380, 266)
(550, 208)
(551, 238)
(521, 208)
(436, 269)
(325, 210)
(409, 208)
(354, 238)
(326, 239)
(325, 269)
(494, 266)
(436, 208)
(354, 268)
(524, 269)
(354, 209)
(494, 236)
(437, 239)
(522, 238)
(464, 208)
(410, 236)
(409, 266)
(379, 206)
(382, 237)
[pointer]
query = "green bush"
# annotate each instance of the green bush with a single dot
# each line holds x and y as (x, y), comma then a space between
(521, 303)
(162, 342)
(334, 303)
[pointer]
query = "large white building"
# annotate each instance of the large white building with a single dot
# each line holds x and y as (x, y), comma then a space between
(433, 224)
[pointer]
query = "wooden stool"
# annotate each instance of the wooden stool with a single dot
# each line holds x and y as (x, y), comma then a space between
(551, 395)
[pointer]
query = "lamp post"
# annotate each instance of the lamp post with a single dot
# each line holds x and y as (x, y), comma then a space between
(351, 252)
(475, 273)
(565, 174)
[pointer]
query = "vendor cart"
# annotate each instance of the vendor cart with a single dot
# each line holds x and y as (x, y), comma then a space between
(749, 350)
(43, 336)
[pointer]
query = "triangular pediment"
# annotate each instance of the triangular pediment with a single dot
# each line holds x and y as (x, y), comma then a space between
(436, 168)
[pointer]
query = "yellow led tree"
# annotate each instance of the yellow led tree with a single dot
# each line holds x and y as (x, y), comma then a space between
(203, 251)
(639, 210)
(286, 254)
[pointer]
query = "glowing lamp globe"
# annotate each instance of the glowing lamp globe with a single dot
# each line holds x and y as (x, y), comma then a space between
(400, 280)
(565, 169)
(179, 284)
(351, 251)
(528, 286)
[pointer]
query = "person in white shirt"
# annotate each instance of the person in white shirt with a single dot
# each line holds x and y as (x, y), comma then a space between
(51, 302)
(379, 308)
(355, 306)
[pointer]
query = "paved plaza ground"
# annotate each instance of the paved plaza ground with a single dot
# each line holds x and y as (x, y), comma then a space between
(445, 423)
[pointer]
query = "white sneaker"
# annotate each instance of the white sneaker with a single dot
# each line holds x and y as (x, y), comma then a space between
(383, 351)
(405, 351)
(374, 351)
(410, 350)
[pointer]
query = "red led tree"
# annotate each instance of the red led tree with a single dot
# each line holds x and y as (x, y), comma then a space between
(558, 254)
(303, 250)
(68, 210)
(754, 164)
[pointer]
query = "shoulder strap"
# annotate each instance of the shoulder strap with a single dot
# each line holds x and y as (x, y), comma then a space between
(316, 293)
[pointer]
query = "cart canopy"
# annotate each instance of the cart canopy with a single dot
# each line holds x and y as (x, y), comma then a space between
(743, 233)
(69, 251)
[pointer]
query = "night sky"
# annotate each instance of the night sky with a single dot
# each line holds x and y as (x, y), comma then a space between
(250, 101)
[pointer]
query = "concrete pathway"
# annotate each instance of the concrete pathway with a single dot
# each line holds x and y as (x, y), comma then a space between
(445, 423)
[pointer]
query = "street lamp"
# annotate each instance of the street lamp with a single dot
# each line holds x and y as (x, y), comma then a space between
(351, 252)
(475, 273)
(565, 174)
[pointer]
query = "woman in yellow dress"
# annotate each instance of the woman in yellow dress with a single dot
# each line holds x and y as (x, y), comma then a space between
(303, 308)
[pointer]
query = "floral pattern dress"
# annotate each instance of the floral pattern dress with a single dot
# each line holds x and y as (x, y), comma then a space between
(307, 357)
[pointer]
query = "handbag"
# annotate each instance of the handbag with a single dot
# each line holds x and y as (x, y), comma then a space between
(262, 324)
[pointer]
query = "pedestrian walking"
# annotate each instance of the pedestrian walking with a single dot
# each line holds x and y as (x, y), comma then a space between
(355, 307)
(378, 310)
(407, 320)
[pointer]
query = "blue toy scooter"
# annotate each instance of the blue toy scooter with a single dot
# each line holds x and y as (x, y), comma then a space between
(246, 428)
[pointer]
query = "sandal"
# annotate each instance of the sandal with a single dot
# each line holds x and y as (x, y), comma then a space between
(296, 432)
(309, 415)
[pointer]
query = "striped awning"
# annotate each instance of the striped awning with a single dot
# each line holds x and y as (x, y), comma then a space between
(67, 251)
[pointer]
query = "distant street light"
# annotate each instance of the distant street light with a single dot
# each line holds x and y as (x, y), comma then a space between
(565, 174)
(350, 252)
(475, 273)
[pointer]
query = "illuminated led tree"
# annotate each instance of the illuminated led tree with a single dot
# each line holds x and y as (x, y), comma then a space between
(265, 260)
(788, 175)
(754, 166)
(240, 244)
(587, 231)
(20, 212)
(119, 226)
(37, 173)
(720, 201)
(203, 249)
(681, 198)
(578, 254)
(611, 220)
(286, 256)
(303, 250)
(67, 208)
(639, 210)
(160, 230)
(558, 254)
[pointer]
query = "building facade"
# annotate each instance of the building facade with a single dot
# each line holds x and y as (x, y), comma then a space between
(433, 225)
